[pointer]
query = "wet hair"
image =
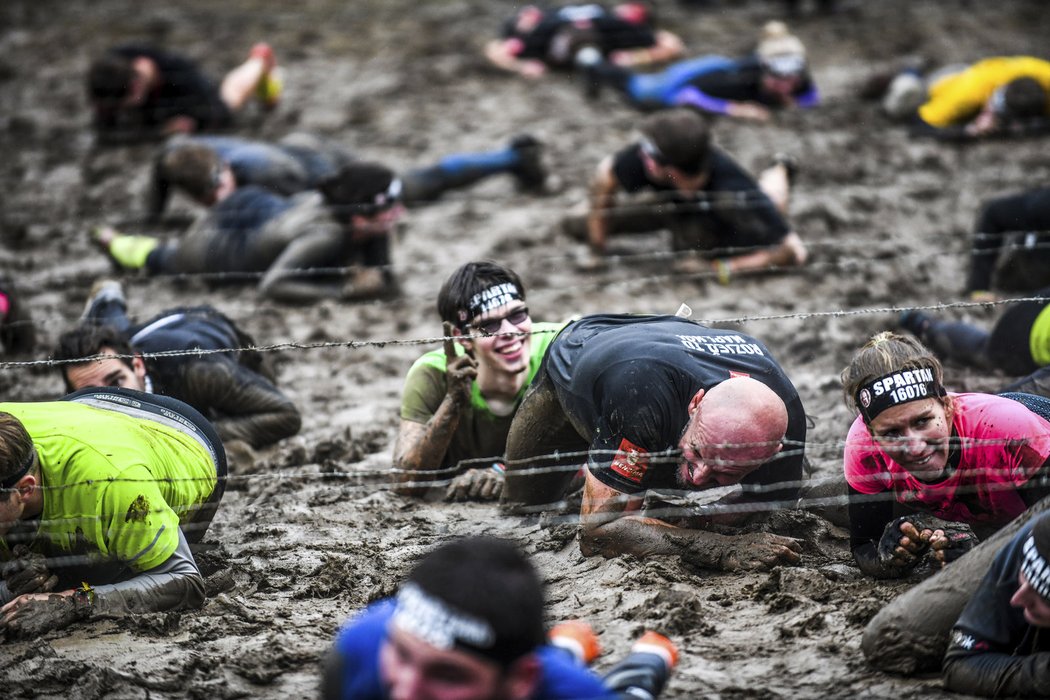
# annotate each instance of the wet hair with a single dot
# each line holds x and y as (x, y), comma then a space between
(490, 579)
(109, 78)
(1024, 98)
(681, 137)
(453, 301)
(193, 168)
(358, 188)
(88, 340)
(16, 448)
(888, 352)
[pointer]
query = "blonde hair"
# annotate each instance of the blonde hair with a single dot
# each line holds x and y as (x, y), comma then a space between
(777, 40)
(888, 352)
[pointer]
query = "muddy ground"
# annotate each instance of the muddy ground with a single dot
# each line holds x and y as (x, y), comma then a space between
(310, 532)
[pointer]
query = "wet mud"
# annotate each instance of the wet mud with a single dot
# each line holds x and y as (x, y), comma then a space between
(309, 531)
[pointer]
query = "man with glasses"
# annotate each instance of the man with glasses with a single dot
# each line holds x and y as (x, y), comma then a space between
(458, 402)
(661, 403)
(299, 244)
(709, 203)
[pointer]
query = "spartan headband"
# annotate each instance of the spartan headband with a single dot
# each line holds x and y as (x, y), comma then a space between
(1035, 568)
(488, 299)
(896, 388)
(424, 616)
(785, 65)
(10, 481)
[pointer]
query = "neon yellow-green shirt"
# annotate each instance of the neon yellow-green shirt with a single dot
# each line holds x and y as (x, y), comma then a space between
(1039, 338)
(115, 487)
(480, 432)
(958, 97)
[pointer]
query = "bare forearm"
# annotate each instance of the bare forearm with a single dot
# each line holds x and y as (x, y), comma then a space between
(419, 454)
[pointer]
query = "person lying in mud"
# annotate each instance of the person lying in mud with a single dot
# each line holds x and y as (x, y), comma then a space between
(458, 402)
(660, 402)
(301, 161)
(996, 647)
(1002, 94)
(775, 77)
(450, 633)
(963, 464)
(236, 391)
(140, 91)
(300, 245)
(709, 203)
(17, 330)
(102, 495)
(537, 39)
(1010, 245)
(1017, 345)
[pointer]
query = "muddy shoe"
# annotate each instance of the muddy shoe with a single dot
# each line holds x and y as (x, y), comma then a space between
(529, 171)
(915, 322)
(103, 291)
(271, 85)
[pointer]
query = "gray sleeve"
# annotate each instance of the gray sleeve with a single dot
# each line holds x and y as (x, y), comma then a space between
(174, 585)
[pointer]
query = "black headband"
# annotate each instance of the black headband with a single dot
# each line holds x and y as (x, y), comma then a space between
(11, 480)
(488, 299)
(1035, 568)
(896, 388)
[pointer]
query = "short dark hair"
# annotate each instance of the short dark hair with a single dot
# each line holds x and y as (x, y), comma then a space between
(16, 448)
(87, 340)
(453, 301)
(192, 167)
(682, 138)
(488, 578)
(109, 78)
(1024, 98)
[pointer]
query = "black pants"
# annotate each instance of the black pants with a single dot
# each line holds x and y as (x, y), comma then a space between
(1004, 221)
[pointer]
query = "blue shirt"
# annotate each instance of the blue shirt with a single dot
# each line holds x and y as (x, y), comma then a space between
(357, 648)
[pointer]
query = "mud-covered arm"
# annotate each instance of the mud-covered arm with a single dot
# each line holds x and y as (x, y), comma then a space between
(242, 404)
(285, 279)
(604, 186)
(611, 524)
(421, 447)
(868, 517)
(174, 585)
(503, 53)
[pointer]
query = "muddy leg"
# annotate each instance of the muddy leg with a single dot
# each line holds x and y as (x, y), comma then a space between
(910, 634)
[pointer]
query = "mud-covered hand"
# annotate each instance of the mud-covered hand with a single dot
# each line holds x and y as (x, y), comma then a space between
(949, 540)
(27, 572)
(905, 540)
(755, 550)
(30, 616)
(476, 485)
(460, 370)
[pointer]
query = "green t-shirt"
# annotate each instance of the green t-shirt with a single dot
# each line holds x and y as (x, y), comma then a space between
(1039, 338)
(480, 433)
(115, 487)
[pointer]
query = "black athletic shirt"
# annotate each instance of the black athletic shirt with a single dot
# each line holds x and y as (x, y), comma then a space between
(612, 33)
(183, 91)
(742, 82)
(755, 221)
(628, 380)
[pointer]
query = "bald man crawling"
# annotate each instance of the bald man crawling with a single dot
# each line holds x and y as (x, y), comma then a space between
(661, 403)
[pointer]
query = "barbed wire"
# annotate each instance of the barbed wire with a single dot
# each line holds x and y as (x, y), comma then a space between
(433, 340)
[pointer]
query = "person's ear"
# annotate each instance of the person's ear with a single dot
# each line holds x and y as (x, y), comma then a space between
(25, 487)
(694, 403)
(138, 366)
(522, 678)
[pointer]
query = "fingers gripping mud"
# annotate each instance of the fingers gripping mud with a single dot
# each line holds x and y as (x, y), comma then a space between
(908, 539)
(746, 552)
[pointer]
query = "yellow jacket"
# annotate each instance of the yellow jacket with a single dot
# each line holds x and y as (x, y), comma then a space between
(958, 97)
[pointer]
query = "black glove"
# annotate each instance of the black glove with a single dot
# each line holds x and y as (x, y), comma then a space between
(28, 573)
